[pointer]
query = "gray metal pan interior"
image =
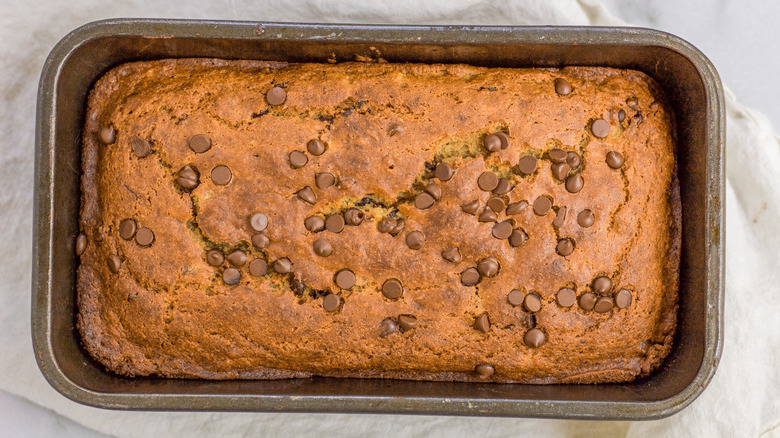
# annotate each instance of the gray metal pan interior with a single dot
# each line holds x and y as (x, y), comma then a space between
(687, 76)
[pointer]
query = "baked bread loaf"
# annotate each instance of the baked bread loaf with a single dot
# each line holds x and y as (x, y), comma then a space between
(258, 220)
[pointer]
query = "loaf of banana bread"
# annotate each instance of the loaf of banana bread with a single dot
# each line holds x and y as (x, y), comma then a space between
(261, 220)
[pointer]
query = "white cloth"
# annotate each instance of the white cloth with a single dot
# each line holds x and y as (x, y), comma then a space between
(742, 400)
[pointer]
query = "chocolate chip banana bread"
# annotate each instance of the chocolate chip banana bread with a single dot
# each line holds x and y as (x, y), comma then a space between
(258, 220)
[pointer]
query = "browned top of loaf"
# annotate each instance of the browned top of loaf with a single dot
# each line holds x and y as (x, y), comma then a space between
(168, 312)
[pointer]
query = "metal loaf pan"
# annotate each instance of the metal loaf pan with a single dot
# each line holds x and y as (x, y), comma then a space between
(688, 78)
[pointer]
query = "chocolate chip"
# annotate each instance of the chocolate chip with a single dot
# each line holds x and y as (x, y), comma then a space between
(315, 147)
(323, 180)
(237, 258)
(503, 187)
(423, 201)
(633, 103)
(602, 284)
(231, 276)
(600, 128)
(562, 86)
(331, 302)
(484, 370)
(603, 305)
(260, 240)
(283, 265)
(386, 225)
(407, 322)
(314, 223)
(542, 205)
(415, 240)
(258, 222)
(573, 160)
(532, 302)
(114, 263)
(444, 172)
(107, 134)
(433, 189)
(144, 237)
(502, 230)
(307, 195)
(298, 159)
(399, 226)
(141, 147)
(214, 257)
(586, 218)
(353, 217)
(469, 277)
(487, 215)
(574, 183)
(492, 143)
(487, 181)
(566, 297)
(388, 327)
(488, 267)
(187, 178)
(560, 217)
(496, 204)
(81, 244)
(392, 288)
(560, 170)
(276, 96)
(482, 323)
(258, 267)
(504, 139)
(534, 338)
(127, 229)
(345, 279)
(557, 155)
(516, 207)
(517, 238)
(322, 248)
(623, 298)
(615, 159)
(334, 223)
(515, 297)
(199, 143)
(452, 255)
(527, 165)
(565, 247)
(221, 175)
(587, 301)
(471, 207)
(621, 115)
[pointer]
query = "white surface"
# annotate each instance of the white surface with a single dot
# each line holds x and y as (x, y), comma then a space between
(22, 418)
(742, 400)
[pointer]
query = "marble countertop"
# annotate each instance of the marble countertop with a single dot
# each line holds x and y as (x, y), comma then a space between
(741, 39)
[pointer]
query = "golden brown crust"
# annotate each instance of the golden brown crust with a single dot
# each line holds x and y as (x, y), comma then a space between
(167, 312)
